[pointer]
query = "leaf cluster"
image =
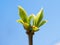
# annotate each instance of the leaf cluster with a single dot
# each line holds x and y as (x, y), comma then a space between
(25, 20)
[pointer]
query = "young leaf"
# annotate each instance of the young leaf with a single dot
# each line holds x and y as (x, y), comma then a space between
(30, 18)
(34, 20)
(20, 21)
(22, 14)
(39, 17)
(26, 26)
(42, 23)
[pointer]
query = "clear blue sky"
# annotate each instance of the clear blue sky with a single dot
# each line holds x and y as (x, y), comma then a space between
(13, 33)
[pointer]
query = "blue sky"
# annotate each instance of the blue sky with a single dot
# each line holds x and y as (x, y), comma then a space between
(13, 33)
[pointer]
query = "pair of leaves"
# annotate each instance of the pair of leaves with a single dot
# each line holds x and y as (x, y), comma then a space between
(25, 20)
(23, 15)
(38, 19)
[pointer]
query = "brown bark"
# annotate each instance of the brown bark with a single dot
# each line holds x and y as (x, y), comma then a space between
(30, 37)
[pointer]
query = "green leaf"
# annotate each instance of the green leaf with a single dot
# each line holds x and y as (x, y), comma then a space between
(22, 14)
(42, 23)
(39, 17)
(26, 26)
(34, 20)
(30, 18)
(20, 21)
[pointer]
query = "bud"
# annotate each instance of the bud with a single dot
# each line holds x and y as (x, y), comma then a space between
(34, 28)
(26, 26)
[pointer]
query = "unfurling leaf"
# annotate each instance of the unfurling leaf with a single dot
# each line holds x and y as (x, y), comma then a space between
(26, 26)
(39, 17)
(42, 23)
(30, 18)
(34, 20)
(20, 21)
(22, 14)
